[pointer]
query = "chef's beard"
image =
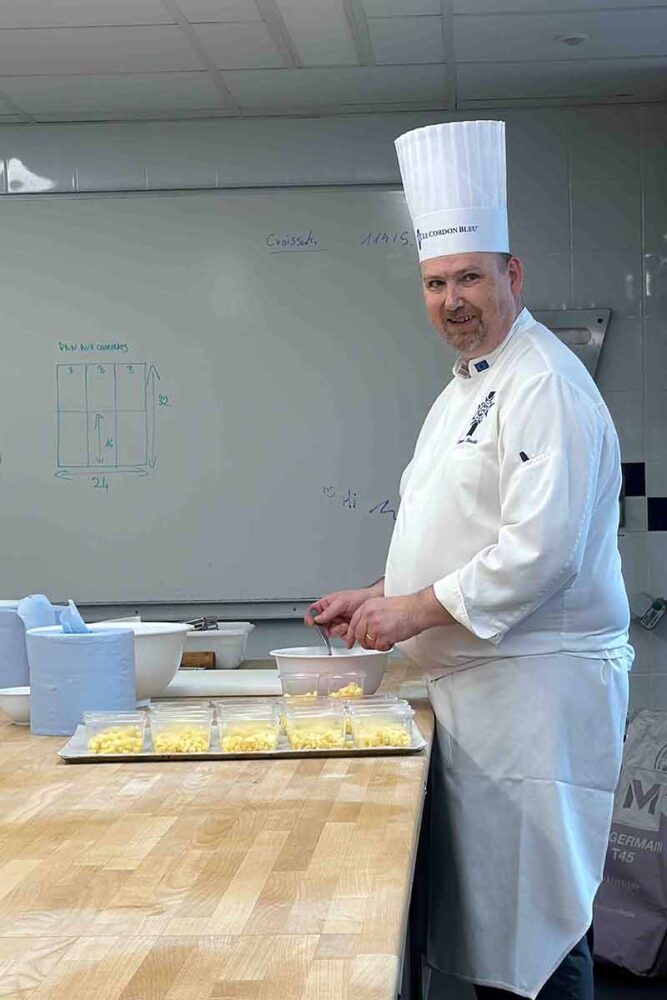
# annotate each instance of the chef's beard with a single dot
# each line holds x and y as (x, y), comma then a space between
(465, 342)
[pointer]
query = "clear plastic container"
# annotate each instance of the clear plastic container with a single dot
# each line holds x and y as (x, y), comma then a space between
(181, 730)
(221, 705)
(300, 687)
(248, 728)
(181, 705)
(347, 686)
(381, 725)
(315, 727)
(369, 699)
(115, 733)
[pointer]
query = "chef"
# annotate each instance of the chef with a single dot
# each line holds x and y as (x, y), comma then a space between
(503, 581)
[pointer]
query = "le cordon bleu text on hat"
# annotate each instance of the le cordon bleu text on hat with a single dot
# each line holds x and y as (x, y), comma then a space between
(454, 180)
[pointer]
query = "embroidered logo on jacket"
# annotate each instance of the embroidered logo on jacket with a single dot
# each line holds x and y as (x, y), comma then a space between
(480, 413)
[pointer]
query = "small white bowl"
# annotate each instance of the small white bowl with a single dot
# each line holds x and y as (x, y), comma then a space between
(15, 703)
(372, 663)
(228, 643)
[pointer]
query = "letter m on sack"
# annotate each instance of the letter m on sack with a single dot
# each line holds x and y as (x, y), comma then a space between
(640, 802)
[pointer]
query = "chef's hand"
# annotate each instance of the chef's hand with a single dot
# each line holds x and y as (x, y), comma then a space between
(334, 611)
(380, 622)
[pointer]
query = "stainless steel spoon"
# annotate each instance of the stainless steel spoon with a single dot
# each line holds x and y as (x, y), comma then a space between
(323, 634)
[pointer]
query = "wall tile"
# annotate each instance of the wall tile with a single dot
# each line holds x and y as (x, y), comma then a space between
(640, 692)
(657, 566)
(604, 142)
(634, 479)
(659, 693)
(546, 280)
(656, 478)
(635, 514)
(657, 639)
(640, 640)
(657, 514)
(606, 213)
(656, 429)
(654, 148)
(609, 280)
(626, 409)
(620, 365)
(655, 341)
(655, 286)
(632, 546)
(537, 182)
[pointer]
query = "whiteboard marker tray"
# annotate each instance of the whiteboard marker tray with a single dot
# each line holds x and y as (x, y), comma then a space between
(75, 751)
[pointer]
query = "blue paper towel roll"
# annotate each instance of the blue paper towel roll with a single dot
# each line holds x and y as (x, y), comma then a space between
(73, 673)
(13, 658)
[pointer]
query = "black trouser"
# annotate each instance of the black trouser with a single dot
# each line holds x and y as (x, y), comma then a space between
(572, 980)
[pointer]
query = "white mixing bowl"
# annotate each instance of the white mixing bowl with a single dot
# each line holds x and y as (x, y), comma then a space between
(158, 648)
(15, 703)
(314, 659)
(228, 643)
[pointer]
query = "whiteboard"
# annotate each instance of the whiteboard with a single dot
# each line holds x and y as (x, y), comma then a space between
(207, 396)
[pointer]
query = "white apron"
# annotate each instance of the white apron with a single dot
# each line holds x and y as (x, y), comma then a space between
(527, 758)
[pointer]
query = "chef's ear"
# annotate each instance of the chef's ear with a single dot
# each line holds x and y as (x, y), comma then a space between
(515, 275)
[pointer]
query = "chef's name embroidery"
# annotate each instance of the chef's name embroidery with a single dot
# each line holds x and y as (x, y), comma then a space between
(480, 414)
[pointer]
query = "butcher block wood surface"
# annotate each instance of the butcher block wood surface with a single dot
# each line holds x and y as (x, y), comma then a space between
(212, 880)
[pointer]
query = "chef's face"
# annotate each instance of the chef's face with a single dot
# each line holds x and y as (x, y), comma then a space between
(472, 299)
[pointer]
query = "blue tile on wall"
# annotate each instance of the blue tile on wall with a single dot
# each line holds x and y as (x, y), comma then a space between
(634, 479)
(657, 513)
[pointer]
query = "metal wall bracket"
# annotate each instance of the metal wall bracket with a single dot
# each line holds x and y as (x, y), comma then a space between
(583, 330)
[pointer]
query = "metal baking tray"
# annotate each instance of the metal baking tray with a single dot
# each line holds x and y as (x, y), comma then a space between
(75, 751)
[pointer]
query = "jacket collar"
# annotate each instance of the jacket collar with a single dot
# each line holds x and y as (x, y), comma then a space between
(476, 367)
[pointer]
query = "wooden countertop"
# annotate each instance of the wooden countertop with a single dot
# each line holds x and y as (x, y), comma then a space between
(235, 880)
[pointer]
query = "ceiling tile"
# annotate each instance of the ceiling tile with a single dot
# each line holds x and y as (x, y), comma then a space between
(619, 33)
(351, 86)
(394, 8)
(545, 6)
(598, 78)
(219, 10)
(95, 50)
(319, 31)
(239, 46)
(73, 13)
(119, 92)
(407, 39)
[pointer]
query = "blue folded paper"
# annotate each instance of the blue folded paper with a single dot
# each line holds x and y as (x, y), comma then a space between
(71, 620)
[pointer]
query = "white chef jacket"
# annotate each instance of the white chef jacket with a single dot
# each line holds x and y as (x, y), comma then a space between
(509, 507)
